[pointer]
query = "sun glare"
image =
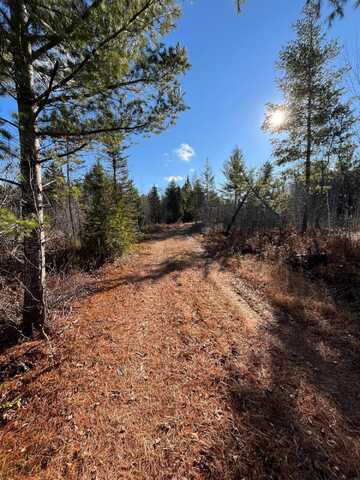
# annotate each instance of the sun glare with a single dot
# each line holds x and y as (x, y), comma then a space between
(277, 118)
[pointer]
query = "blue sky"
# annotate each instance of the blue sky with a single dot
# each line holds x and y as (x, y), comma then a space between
(231, 79)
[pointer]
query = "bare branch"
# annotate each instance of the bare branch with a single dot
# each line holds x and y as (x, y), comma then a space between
(15, 125)
(70, 152)
(11, 182)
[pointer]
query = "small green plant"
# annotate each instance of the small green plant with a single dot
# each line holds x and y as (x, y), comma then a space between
(14, 404)
(13, 227)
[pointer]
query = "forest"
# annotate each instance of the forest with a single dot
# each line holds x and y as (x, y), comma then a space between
(208, 329)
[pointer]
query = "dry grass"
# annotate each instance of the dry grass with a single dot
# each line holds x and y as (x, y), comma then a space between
(158, 374)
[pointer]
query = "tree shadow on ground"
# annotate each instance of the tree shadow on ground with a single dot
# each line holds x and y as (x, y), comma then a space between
(173, 264)
(300, 419)
(9, 336)
(173, 231)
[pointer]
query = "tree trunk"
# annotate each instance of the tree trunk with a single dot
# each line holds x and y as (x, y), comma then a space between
(308, 141)
(114, 168)
(34, 307)
(320, 202)
(307, 165)
(236, 213)
(69, 197)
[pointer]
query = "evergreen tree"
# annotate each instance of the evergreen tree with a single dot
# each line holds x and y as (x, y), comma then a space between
(210, 195)
(114, 150)
(132, 204)
(187, 201)
(234, 168)
(303, 126)
(198, 198)
(109, 228)
(73, 192)
(154, 202)
(96, 200)
(172, 203)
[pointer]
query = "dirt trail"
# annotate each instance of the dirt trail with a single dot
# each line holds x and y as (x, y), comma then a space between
(160, 375)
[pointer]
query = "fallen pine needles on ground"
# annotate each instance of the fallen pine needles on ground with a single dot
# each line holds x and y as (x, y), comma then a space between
(161, 371)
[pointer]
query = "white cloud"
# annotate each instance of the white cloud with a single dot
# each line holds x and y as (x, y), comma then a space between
(175, 178)
(185, 152)
(192, 170)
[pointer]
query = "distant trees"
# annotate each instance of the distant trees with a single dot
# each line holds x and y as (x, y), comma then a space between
(314, 125)
(154, 205)
(187, 201)
(179, 203)
(172, 203)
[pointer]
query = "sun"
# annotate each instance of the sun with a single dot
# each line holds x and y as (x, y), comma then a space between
(277, 118)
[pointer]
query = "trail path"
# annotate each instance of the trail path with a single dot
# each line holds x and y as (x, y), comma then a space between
(162, 373)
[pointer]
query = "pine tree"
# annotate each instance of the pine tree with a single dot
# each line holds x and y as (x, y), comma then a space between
(187, 201)
(198, 198)
(130, 197)
(172, 203)
(234, 168)
(114, 149)
(96, 200)
(210, 195)
(154, 202)
(303, 126)
(109, 228)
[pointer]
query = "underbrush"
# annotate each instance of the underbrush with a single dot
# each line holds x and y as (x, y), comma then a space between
(328, 263)
(71, 272)
(308, 276)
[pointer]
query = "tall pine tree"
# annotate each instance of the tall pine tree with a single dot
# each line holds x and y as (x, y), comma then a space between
(154, 203)
(172, 202)
(304, 125)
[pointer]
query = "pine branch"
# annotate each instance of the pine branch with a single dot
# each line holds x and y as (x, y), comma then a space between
(48, 91)
(113, 86)
(101, 45)
(11, 182)
(85, 133)
(56, 39)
